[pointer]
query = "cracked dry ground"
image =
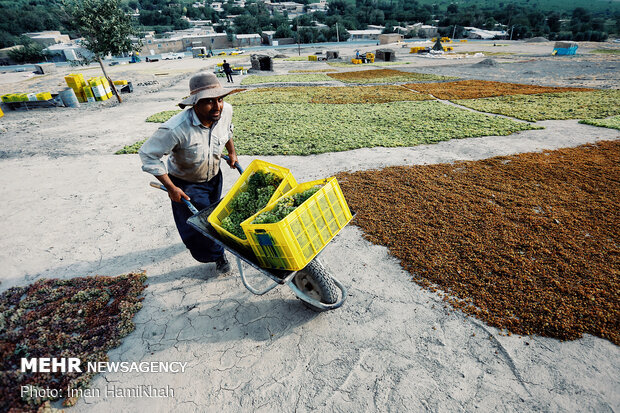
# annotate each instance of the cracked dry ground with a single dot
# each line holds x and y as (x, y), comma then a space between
(527, 243)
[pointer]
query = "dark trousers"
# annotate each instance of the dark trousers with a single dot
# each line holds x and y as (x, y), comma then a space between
(229, 77)
(201, 195)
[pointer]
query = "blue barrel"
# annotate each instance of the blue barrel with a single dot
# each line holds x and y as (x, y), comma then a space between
(68, 98)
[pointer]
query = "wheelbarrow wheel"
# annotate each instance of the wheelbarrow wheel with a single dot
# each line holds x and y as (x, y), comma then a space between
(314, 280)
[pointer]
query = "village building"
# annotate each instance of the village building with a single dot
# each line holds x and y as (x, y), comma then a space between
(48, 38)
(290, 7)
(424, 30)
(390, 38)
(246, 40)
(476, 33)
(368, 34)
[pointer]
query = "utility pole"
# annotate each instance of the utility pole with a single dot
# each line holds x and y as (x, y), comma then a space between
(337, 35)
(454, 31)
(511, 29)
(298, 45)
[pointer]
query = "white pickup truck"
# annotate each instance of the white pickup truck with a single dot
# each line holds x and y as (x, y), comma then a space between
(172, 56)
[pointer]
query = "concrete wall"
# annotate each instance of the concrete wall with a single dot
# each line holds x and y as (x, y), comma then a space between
(247, 41)
(390, 38)
(219, 42)
(162, 46)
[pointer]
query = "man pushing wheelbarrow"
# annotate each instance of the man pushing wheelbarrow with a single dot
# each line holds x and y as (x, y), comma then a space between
(291, 224)
(194, 139)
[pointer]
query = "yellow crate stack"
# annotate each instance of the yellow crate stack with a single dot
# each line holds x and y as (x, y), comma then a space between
(370, 57)
(356, 61)
(313, 58)
(294, 241)
(76, 82)
(223, 210)
(417, 49)
(463, 40)
(98, 89)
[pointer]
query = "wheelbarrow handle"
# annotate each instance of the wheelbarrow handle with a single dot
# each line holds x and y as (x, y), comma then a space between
(185, 201)
(237, 165)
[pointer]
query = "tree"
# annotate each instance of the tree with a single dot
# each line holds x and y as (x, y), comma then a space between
(105, 27)
(554, 22)
(246, 23)
(282, 31)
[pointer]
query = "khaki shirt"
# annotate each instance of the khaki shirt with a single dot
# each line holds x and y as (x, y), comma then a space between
(195, 150)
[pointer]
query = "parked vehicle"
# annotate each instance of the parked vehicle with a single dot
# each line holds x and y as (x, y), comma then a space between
(171, 56)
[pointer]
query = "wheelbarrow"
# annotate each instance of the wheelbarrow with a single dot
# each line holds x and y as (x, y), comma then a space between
(313, 285)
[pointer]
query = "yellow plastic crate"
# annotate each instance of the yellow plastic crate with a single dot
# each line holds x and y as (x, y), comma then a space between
(1, 113)
(119, 82)
(44, 96)
(88, 94)
(222, 210)
(106, 86)
(294, 241)
(312, 58)
(75, 79)
(6, 98)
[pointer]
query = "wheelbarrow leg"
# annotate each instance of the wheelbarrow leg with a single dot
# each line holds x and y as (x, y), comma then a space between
(249, 287)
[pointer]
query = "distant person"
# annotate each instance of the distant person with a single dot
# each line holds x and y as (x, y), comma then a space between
(228, 72)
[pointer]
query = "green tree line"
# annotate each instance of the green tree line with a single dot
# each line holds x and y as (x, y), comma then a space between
(520, 20)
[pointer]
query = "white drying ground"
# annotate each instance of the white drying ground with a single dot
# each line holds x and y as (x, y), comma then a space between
(71, 208)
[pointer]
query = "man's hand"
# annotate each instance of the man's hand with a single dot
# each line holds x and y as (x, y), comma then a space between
(176, 194)
(232, 160)
(232, 153)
